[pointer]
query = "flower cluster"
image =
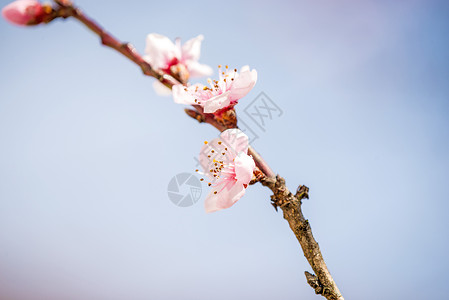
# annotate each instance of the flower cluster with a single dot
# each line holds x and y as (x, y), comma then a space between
(181, 61)
(224, 160)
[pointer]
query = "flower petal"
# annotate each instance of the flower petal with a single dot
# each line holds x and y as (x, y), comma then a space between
(235, 140)
(227, 194)
(244, 167)
(243, 83)
(215, 103)
(245, 68)
(183, 94)
(21, 12)
(161, 89)
(159, 50)
(198, 70)
(191, 50)
(209, 158)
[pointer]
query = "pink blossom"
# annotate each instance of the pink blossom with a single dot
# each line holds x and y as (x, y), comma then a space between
(229, 168)
(222, 94)
(23, 12)
(172, 58)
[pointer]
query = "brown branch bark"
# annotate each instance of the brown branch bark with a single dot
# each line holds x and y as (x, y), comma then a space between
(67, 9)
(322, 282)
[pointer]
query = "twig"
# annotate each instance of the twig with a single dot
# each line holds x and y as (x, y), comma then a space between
(290, 204)
(68, 10)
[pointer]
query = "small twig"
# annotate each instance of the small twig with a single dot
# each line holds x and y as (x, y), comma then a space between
(261, 163)
(313, 281)
(194, 114)
(302, 192)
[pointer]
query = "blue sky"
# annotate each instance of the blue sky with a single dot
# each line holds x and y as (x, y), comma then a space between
(87, 150)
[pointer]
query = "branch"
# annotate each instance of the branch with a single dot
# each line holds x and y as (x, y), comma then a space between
(290, 204)
(67, 9)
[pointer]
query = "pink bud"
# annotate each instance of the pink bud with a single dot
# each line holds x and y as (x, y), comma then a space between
(23, 12)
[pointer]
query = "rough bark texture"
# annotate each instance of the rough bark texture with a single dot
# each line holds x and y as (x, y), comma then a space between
(290, 204)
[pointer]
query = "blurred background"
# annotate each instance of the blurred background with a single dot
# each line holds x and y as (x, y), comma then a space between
(87, 150)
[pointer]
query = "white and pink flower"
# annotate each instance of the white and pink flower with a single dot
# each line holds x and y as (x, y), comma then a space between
(23, 12)
(228, 166)
(222, 94)
(173, 58)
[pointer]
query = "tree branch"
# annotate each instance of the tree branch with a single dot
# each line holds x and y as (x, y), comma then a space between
(67, 9)
(290, 204)
(322, 282)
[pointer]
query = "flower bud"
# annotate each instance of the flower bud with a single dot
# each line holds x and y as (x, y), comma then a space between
(23, 12)
(180, 72)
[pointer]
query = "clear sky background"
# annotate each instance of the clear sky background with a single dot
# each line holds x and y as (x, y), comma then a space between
(87, 150)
